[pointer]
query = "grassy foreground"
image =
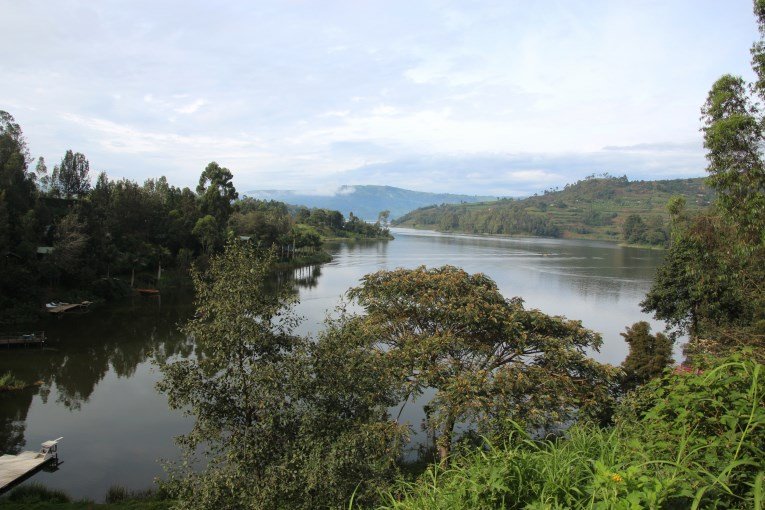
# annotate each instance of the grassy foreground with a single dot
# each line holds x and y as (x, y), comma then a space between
(35, 496)
(691, 440)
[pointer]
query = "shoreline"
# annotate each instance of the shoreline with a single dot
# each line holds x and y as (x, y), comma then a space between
(568, 236)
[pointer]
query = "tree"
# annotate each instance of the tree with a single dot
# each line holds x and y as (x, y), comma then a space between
(71, 176)
(383, 217)
(281, 422)
(206, 230)
(305, 236)
(216, 192)
(69, 247)
(41, 174)
(634, 229)
(710, 284)
(699, 287)
(243, 330)
(648, 357)
(18, 285)
(488, 359)
(733, 137)
(16, 182)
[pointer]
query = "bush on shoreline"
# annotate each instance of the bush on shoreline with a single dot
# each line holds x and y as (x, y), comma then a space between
(687, 440)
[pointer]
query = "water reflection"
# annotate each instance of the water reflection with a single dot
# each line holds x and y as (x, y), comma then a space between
(82, 349)
(306, 277)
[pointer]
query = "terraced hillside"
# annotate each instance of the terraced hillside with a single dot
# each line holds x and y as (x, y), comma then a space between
(606, 208)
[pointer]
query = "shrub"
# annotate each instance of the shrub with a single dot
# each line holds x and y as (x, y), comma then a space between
(36, 493)
(689, 440)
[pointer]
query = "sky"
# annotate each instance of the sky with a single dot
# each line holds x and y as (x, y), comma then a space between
(491, 98)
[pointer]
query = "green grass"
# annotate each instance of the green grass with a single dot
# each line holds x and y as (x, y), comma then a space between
(685, 441)
(35, 496)
(9, 383)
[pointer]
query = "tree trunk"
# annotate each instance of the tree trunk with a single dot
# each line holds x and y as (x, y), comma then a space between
(444, 442)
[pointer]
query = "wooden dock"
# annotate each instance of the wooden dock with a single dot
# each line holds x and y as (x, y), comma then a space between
(16, 468)
(36, 339)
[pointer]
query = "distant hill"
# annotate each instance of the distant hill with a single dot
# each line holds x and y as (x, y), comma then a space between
(594, 208)
(367, 201)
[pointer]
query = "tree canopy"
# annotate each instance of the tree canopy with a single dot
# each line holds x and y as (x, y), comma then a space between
(281, 422)
(71, 177)
(648, 355)
(488, 358)
(217, 192)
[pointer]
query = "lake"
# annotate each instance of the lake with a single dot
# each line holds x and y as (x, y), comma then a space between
(97, 377)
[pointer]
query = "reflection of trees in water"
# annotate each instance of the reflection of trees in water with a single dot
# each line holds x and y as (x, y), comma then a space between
(306, 277)
(606, 273)
(81, 351)
(14, 406)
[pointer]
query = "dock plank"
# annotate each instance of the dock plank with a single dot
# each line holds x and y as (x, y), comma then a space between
(13, 467)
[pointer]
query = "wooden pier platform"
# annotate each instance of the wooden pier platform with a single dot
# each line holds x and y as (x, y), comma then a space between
(15, 468)
(36, 339)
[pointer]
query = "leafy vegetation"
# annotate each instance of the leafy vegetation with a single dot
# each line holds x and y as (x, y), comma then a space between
(604, 207)
(489, 359)
(8, 382)
(280, 422)
(687, 440)
(648, 355)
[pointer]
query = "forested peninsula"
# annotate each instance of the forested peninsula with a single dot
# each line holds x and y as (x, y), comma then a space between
(601, 207)
(64, 238)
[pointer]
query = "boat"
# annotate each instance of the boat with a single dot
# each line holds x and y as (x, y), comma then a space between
(59, 307)
(16, 468)
(148, 292)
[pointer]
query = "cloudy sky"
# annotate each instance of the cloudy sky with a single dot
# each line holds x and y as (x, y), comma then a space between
(507, 97)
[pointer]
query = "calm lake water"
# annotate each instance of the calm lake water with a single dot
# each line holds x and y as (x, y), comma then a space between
(98, 378)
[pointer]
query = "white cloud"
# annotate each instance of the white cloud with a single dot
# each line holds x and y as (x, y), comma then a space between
(309, 95)
(191, 107)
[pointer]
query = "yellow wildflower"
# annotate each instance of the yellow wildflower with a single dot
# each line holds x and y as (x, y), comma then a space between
(616, 477)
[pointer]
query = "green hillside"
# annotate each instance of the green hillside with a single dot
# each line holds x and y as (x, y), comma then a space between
(606, 207)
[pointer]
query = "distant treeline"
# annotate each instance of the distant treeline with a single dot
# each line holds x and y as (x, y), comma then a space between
(597, 207)
(59, 231)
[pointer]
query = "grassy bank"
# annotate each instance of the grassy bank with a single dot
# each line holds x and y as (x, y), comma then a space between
(35, 496)
(690, 440)
(567, 235)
